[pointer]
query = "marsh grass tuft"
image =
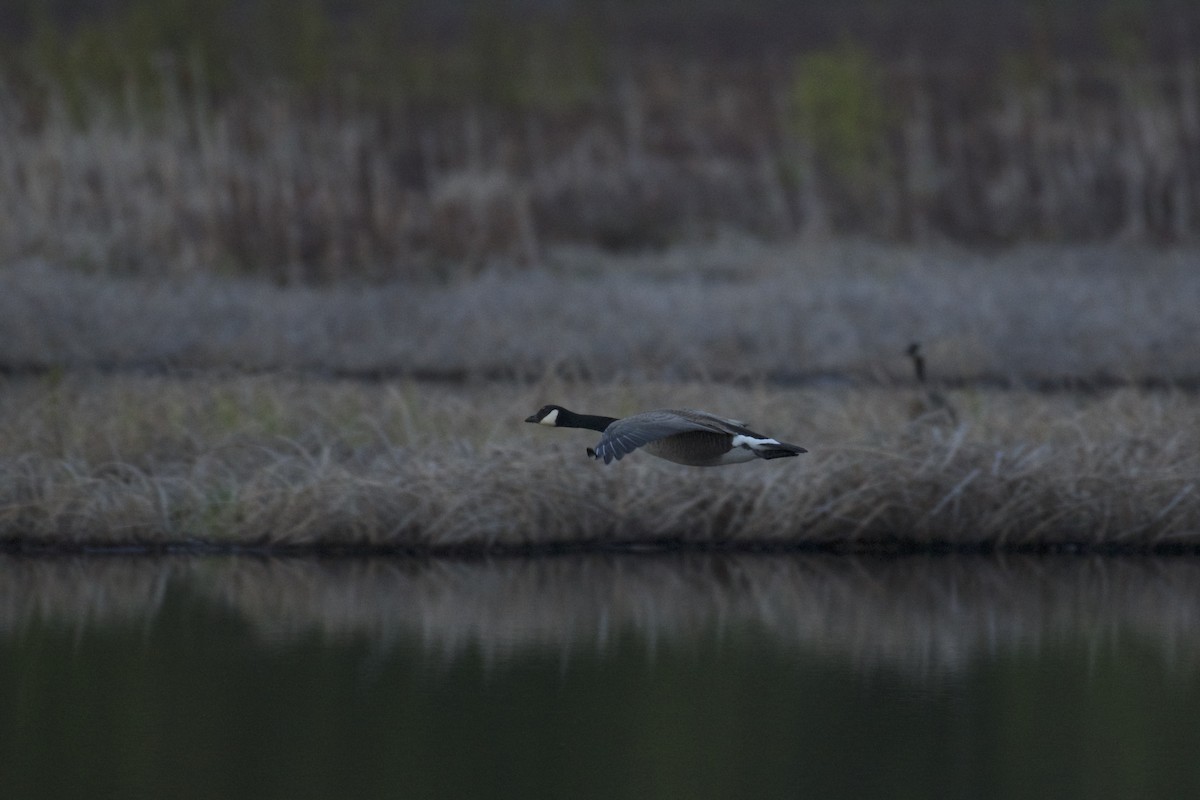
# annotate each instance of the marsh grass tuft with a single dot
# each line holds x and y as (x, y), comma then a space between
(418, 467)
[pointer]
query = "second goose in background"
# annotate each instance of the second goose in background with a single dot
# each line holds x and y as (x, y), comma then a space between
(695, 438)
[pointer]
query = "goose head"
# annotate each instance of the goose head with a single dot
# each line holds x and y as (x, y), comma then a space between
(547, 415)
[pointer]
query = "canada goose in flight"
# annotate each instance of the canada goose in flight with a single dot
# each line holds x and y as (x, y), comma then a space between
(695, 438)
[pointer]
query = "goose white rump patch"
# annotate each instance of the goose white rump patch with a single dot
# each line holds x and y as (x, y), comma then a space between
(751, 443)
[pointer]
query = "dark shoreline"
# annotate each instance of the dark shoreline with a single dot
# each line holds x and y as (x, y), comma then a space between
(1087, 385)
(883, 547)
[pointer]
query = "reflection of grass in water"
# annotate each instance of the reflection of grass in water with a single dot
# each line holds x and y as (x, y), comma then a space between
(302, 462)
(418, 668)
(925, 615)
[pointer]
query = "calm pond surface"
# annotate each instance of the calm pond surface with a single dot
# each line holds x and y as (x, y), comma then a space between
(610, 677)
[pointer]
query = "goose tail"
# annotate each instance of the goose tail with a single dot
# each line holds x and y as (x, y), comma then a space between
(777, 450)
(766, 448)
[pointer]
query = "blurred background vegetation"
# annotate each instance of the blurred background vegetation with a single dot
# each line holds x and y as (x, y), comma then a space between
(319, 139)
(550, 52)
(490, 50)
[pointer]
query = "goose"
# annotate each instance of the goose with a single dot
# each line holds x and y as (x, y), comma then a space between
(685, 436)
(934, 405)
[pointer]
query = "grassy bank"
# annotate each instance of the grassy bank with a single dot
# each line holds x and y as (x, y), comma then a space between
(736, 310)
(389, 416)
(277, 462)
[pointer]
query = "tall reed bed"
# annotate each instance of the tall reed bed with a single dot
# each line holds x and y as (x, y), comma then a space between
(262, 462)
(331, 185)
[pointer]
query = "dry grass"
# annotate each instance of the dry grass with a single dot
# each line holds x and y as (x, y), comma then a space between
(927, 616)
(283, 187)
(181, 229)
(732, 310)
(410, 466)
(306, 460)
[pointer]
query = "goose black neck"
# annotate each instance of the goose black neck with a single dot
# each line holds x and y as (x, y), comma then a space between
(569, 419)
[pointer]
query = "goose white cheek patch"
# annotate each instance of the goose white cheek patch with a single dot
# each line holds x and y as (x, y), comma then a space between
(549, 419)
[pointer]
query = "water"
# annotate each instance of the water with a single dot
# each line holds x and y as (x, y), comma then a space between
(587, 677)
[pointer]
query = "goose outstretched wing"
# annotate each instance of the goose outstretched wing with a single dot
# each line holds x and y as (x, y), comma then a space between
(626, 435)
